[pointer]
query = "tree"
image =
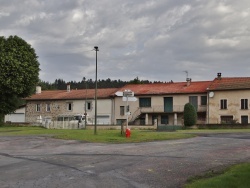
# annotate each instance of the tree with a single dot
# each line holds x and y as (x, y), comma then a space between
(46, 85)
(135, 81)
(19, 72)
(190, 115)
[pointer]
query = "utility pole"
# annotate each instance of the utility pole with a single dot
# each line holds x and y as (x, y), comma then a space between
(85, 109)
(127, 111)
(96, 49)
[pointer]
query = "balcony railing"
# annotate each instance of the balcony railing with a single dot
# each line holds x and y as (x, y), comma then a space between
(174, 108)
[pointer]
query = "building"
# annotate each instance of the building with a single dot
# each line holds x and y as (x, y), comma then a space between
(49, 105)
(16, 117)
(223, 100)
(228, 100)
(163, 102)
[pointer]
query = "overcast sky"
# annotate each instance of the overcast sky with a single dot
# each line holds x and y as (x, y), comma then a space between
(155, 40)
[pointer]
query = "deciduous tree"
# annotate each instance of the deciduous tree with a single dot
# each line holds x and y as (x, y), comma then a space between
(19, 72)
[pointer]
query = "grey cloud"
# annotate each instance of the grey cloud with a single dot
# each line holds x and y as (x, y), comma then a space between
(155, 40)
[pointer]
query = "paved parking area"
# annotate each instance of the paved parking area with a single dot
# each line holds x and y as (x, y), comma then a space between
(40, 161)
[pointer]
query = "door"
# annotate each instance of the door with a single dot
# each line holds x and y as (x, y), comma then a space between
(194, 101)
(154, 117)
(103, 119)
(168, 104)
(164, 119)
(244, 120)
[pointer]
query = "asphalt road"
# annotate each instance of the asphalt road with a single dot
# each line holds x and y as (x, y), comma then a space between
(40, 161)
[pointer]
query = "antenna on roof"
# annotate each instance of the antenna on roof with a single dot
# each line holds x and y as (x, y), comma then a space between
(186, 73)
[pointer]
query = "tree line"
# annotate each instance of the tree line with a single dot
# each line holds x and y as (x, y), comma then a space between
(60, 84)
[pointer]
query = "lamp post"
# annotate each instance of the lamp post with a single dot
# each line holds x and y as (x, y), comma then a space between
(85, 109)
(96, 49)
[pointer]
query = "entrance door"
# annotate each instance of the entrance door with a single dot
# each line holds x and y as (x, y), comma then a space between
(168, 104)
(244, 120)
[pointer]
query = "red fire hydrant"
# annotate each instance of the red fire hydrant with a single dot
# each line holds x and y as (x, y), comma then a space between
(128, 132)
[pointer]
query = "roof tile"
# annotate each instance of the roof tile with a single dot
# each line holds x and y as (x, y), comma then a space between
(167, 88)
(73, 94)
(230, 83)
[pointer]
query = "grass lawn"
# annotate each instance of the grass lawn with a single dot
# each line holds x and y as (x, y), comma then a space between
(237, 176)
(215, 131)
(104, 136)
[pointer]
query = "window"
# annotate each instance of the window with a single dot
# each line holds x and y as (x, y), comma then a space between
(142, 121)
(164, 119)
(194, 101)
(244, 104)
(122, 110)
(226, 119)
(203, 100)
(120, 121)
(89, 106)
(48, 107)
(145, 102)
(69, 106)
(223, 104)
(38, 107)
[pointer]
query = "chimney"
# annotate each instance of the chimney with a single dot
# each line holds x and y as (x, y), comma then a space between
(219, 76)
(38, 89)
(68, 87)
(188, 81)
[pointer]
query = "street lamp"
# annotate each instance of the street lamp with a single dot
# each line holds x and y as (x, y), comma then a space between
(85, 109)
(96, 49)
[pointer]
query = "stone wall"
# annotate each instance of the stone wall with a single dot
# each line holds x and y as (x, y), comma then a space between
(56, 108)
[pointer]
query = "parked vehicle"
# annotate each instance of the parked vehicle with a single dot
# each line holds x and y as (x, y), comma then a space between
(81, 119)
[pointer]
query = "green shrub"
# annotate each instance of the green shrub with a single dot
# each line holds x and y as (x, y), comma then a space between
(190, 115)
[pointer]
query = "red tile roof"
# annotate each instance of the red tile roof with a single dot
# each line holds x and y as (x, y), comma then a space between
(168, 88)
(73, 94)
(224, 83)
(232, 83)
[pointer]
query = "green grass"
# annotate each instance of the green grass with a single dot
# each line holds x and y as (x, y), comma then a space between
(110, 136)
(103, 136)
(215, 131)
(237, 176)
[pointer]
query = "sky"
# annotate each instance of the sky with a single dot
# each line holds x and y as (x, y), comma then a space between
(156, 40)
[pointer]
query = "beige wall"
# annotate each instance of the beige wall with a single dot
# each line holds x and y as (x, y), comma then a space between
(133, 106)
(157, 104)
(233, 105)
